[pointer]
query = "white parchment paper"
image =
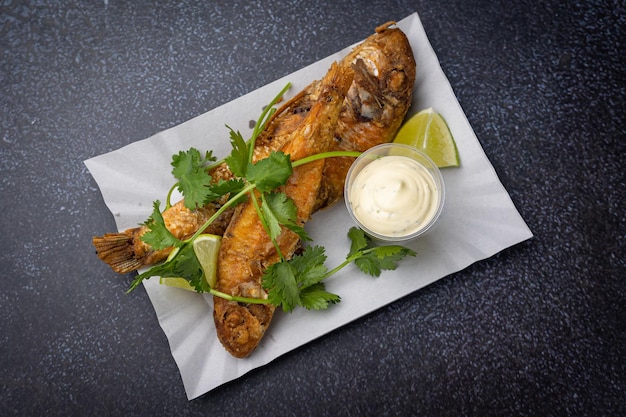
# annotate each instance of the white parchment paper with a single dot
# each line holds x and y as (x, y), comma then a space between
(478, 221)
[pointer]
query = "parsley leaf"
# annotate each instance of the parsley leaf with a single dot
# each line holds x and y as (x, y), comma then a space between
(193, 178)
(158, 236)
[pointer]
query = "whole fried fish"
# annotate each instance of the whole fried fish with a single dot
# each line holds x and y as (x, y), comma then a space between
(376, 104)
(373, 110)
(246, 249)
(371, 113)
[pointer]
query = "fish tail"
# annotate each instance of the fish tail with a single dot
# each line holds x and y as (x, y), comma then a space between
(117, 251)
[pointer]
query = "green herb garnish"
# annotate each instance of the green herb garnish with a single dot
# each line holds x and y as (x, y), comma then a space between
(289, 283)
(298, 282)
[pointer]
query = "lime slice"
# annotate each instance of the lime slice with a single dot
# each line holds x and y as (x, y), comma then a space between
(206, 247)
(429, 132)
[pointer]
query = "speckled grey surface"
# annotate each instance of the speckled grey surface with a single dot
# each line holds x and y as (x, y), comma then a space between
(539, 329)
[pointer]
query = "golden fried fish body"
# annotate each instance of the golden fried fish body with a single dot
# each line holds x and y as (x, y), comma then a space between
(376, 104)
(247, 250)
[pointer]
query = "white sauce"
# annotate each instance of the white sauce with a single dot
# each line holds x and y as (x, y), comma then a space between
(394, 196)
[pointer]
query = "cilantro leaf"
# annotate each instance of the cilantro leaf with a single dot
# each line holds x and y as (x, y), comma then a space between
(280, 279)
(158, 236)
(390, 255)
(222, 187)
(375, 260)
(310, 265)
(270, 220)
(184, 264)
(316, 297)
(278, 209)
(371, 259)
(289, 284)
(238, 159)
(358, 240)
(193, 178)
(270, 173)
(297, 282)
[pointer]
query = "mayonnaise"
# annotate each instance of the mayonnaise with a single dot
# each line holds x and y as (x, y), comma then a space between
(394, 196)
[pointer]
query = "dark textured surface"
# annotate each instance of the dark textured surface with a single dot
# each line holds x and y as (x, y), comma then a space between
(539, 329)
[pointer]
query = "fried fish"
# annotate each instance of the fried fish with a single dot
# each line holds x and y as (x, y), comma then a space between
(372, 111)
(246, 249)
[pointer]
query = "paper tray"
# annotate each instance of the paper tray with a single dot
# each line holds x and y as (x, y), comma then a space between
(478, 221)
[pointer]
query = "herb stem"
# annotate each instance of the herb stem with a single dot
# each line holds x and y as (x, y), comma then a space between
(221, 210)
(338, 268)
(349, 260)
(168, 200)
(318, 156)
(259, 126)
(239, 299)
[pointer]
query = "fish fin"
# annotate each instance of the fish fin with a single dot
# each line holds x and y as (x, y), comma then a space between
(385, 26)
(117, 251)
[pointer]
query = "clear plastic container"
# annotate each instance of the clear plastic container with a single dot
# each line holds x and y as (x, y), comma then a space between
(394, 192)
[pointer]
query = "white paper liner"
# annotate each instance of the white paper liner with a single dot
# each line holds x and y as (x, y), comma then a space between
(478, 221)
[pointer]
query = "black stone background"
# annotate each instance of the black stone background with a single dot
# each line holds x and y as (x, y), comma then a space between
(537, 330)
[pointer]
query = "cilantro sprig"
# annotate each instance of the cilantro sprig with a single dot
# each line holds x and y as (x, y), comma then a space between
(297, 282)
(193, 181)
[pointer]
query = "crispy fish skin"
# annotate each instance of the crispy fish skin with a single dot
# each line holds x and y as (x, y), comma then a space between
(125, 252)
(374, 108)
(376, 104)
(246, 249)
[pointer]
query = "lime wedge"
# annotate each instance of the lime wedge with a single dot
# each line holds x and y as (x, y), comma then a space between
(428, 131)
(206, 247)
(176, 282)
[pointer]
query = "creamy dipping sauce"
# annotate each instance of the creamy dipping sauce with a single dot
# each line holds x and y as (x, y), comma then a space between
(394, 196)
